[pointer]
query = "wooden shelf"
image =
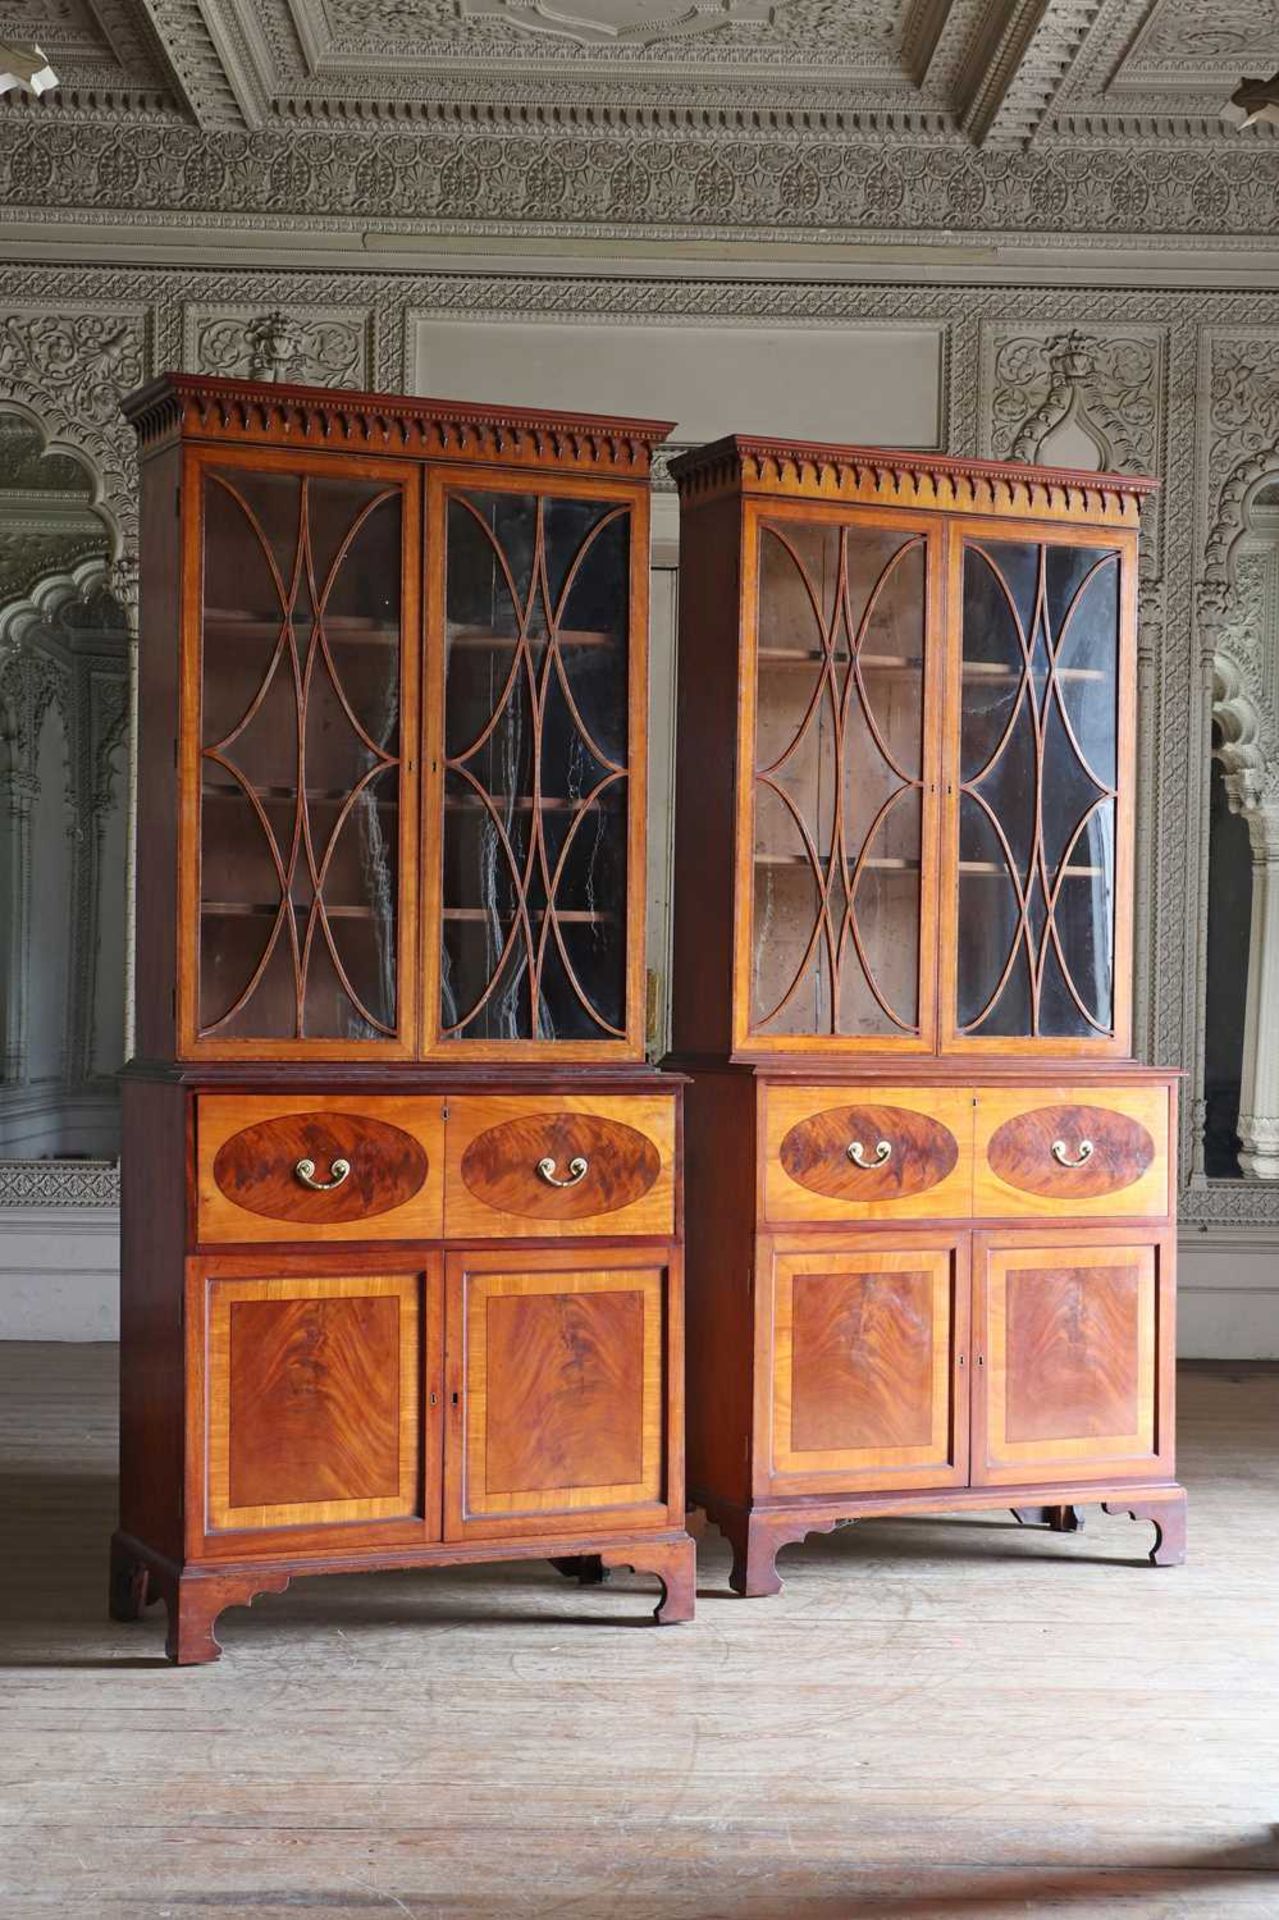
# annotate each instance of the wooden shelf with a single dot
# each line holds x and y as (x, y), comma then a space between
(801, 860)
(986, 869)
(315, 796)
(565, 915)
(260, 909)
(338, 630)
(471, 639)
(523, 803)
(979, 672)
(904, 665)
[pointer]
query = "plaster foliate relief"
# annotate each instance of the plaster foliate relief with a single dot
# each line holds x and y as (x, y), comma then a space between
(1090, 397)
(312, 346)
(620, 180)
(637, 22)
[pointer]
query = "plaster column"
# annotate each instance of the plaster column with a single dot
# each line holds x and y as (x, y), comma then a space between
(17, 796)
(1259, 1093)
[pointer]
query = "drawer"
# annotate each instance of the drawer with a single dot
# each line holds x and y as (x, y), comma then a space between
(327, 1168)
(560, 1164)
(862, 1153)
(1070, 1150)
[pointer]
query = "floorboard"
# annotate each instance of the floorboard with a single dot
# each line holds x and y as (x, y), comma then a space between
(935, 1719)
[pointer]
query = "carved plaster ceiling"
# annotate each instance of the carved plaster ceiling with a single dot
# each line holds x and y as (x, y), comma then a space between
(995, 70)
(1026, 118)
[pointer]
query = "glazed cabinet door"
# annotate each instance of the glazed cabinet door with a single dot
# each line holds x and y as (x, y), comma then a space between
(837, 795)
(298, 860)
(320, 1415)
(868, 1373)
(1074, 1356)
(564, 1413)
(1036, 913)
(534, 937)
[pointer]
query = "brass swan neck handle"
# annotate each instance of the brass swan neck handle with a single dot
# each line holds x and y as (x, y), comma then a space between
(305, 1171)
(857, 1154)
(578, 1168)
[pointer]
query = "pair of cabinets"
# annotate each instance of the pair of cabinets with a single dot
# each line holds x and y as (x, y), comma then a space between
(934, 1360)
(413, 1397)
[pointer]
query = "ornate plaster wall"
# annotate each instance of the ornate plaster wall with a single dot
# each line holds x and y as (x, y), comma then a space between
(1181, 383)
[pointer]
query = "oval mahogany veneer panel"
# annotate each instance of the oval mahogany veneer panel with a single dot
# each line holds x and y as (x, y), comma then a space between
(256, 1168)
(815, 1153)
(1021, 1152)
(500, 1165)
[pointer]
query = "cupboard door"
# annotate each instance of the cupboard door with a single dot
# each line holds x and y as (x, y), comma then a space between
(298, 883)
(536, 945)
(313, 1399)
(1074, 1354)
(1036, 910)
(561, 1406)
(838, 788)
(869, 1365)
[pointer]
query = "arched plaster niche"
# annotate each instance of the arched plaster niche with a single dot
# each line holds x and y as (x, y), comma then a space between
(1238, 612)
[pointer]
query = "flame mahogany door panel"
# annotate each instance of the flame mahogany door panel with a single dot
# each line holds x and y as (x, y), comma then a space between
(869, 1383)
(298, 863)
(536, 726)
(564, 1414)
(320, 1414)
(1074, 1356)
(841, 692)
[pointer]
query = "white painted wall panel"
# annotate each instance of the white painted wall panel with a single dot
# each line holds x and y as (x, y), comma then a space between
(881, 384)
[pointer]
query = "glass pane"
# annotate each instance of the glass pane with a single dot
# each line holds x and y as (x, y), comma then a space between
(1038, 756)
(536, 724)
(838, 781)
(299, 840)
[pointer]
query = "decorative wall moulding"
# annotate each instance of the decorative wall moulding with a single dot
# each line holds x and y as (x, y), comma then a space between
(621, 182)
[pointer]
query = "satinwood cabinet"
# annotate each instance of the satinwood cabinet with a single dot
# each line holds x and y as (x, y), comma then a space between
(931, 1194)
(402, 1201)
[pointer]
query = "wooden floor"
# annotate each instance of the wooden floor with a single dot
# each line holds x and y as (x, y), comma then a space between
(934, 1719)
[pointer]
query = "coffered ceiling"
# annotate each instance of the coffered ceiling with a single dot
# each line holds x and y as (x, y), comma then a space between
(946, 107)
(994, 69)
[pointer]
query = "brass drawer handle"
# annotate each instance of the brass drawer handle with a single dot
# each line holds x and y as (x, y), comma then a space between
(1061, 1153)
(305, 1171)
(577, 1170)
(857, 1154)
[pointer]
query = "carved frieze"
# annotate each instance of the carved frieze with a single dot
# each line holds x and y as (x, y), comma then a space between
(625, 180)
(318, 346)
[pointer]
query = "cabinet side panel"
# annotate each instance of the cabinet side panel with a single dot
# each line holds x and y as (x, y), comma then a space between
(159, 659)
(719, 1136)
(705, 776)
(154, 1178)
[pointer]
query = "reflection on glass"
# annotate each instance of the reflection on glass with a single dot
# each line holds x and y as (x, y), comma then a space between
(300, 757)
(533, 941)
(1038, 751)
(838, 781)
